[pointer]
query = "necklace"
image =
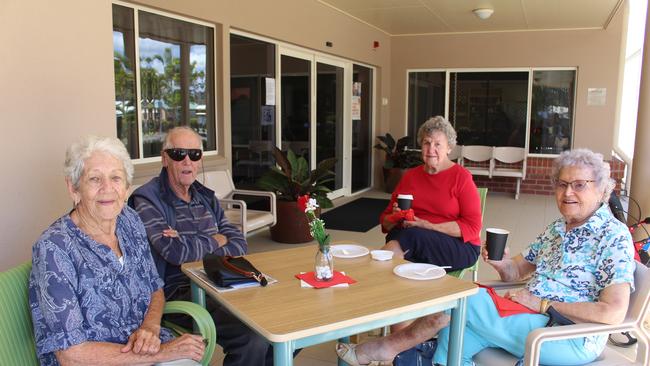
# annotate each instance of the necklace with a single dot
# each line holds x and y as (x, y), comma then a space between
(97, 233)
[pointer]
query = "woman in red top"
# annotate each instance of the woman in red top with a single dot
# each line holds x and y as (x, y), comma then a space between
(446, 204)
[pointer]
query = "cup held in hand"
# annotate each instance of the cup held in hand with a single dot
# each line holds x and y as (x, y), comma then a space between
(496, 243)
(404, 201)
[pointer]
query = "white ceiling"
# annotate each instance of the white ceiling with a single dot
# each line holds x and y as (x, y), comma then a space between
(404, 17)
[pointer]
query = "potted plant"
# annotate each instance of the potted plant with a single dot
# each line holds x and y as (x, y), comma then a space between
(289, 181)
(398, 159)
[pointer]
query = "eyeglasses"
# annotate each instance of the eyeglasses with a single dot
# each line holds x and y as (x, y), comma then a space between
(577, 185)
(178, 154)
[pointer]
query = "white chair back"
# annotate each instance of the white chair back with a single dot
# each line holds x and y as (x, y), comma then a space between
(220, 182)
(508, 154)
(477, 153)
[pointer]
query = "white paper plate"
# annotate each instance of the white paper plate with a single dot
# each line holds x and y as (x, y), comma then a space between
(419, 271)
(349, 251)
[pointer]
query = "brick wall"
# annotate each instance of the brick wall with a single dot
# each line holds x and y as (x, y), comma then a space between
(538, 177)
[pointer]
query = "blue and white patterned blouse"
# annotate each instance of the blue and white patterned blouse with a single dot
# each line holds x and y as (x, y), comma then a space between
(79, 291)
(575, 266)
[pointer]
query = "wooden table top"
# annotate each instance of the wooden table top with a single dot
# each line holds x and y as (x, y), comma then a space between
(285, 311)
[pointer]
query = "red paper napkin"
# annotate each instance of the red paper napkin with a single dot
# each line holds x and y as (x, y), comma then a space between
(506, 307)
(338, 279)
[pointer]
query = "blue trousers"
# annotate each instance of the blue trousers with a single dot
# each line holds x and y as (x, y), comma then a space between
(485, 328)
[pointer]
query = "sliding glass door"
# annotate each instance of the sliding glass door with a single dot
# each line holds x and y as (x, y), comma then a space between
(293, 99)
(296, 103)
(361, 134)
(330, 117)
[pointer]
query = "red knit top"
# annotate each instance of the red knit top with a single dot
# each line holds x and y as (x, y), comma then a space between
(449, 195)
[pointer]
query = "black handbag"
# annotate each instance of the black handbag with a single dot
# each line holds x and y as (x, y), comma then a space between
(226, 271)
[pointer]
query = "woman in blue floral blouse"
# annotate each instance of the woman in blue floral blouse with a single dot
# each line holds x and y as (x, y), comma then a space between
(582, 266)
(94, 292)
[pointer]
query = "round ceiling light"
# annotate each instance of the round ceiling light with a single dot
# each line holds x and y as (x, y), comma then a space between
(483, 13)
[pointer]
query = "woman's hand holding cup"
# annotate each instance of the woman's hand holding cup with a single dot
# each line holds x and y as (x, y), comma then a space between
(404, 201)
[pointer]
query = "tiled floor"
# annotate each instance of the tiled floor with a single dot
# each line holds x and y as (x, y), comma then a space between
(524, 218)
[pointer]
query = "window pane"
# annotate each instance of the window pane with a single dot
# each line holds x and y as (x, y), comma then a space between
(426, 99)
(253, 121)
(123, 61)
(296, 111)
(489, 108)
(362, 128)
(176, 79)
(329, 118)
(551, 127)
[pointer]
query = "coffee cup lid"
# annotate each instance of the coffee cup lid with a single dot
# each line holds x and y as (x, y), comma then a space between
(497, 230)
(405, 196)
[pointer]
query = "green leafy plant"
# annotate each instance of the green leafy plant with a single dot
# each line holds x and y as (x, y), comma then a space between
(293, 179)
(397, 155)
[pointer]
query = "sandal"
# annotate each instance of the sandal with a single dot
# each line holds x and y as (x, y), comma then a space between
(348, 353)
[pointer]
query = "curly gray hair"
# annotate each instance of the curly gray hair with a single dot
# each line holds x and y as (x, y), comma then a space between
(78, 152)
(587, 159)
(437, 124)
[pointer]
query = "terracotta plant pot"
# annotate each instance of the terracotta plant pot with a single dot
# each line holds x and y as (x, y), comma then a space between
(292, 226)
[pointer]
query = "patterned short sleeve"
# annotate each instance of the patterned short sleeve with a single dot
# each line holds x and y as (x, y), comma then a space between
(616, 262)
(56, 314)
(531, 253)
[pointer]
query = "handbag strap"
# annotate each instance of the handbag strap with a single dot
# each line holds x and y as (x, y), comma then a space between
(258, 276)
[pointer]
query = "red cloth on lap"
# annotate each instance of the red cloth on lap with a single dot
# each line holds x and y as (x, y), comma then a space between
(506, 307)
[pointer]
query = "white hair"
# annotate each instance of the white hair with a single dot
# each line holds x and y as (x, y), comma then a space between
(78, 152)
(586, 159)
(167, 144)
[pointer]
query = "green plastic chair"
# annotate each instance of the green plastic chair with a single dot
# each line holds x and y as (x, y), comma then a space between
(482, 192)
(16, 331)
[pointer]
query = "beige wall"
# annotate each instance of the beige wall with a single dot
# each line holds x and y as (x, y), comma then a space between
(56, 76)
(596, 53)
(56, 84)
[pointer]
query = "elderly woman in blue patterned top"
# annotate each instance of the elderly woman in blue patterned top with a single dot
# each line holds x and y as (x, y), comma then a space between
(94, 292)
(582, 265)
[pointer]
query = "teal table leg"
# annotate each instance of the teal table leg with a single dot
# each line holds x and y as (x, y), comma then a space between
(456, 331)
(198, 294)
(340, 361)
(283, 354)
(198, 297)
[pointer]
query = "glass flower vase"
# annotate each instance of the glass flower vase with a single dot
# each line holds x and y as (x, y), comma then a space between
(324, 264)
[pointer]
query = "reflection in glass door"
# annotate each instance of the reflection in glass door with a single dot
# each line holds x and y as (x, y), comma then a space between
(361, 128)
(329, 118)
(252, 63)
(295, 79)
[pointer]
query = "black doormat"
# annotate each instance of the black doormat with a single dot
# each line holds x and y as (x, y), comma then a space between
(359, 215)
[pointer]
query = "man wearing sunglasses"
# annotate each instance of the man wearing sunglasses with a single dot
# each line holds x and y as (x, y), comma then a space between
(184, 222)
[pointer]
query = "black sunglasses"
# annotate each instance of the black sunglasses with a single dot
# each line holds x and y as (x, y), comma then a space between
(178, 154)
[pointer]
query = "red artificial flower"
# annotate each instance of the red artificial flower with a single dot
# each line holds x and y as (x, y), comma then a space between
(302, 202)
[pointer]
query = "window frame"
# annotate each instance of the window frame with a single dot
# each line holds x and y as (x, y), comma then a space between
(529, 99)
(136, 33)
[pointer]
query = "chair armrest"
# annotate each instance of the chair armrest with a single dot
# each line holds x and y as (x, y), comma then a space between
(535, 338)
(502, 285)
(242, 210)
(269, 195)
(203, 321)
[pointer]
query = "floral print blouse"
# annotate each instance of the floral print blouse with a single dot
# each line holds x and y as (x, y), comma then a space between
(79, 291)
(575, 266)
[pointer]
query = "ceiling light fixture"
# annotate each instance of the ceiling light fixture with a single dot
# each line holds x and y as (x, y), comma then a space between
(483, 13)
